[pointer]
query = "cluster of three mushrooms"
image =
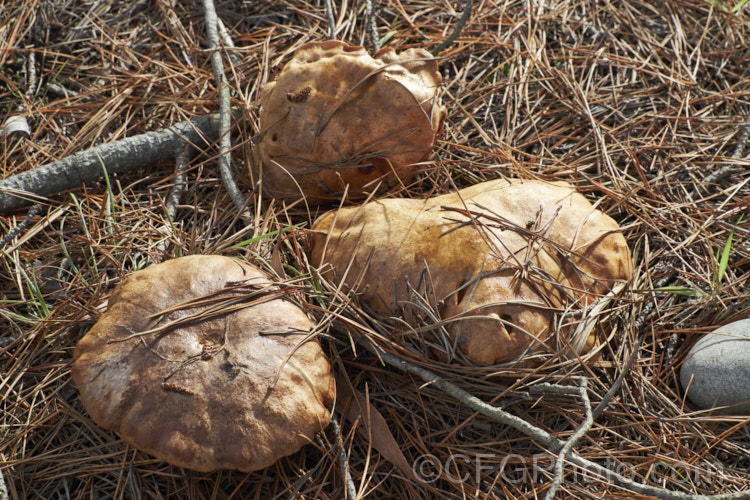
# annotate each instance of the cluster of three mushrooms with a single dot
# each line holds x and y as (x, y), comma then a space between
(204, 361)
(499, 263)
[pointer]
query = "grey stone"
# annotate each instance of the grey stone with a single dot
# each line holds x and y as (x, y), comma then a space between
(717, 370)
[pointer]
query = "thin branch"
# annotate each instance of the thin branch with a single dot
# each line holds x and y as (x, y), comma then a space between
(173, 199)
(741, 142)
(331, 20)
(372, 26)
(3, 487)
(536, 433)
(459, 26)
(618, 382)
(573, 440)
(175, 194)
(62, 91)
(31, 75)
(225, 141)
(472, 401)
(226, 39)
(726, 170)
(33, 212)
(351, 490)
(118, 156)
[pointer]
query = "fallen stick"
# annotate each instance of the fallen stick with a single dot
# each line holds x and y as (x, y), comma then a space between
(118, 156)
(3, 487)
(552, 443)
(225, 112)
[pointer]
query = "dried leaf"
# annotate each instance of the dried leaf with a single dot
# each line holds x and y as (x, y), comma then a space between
(354, 406)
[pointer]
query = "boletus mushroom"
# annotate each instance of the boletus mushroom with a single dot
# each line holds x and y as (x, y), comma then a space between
(203, 362)
(499, 262)
(337, 119)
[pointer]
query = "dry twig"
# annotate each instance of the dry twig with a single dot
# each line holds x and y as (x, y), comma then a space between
(175, 194)
(106, 159)
(574, 439)
(33, 212)
(225, 115)
(725, 170)
(351, 490)
(538, 434)
(372, 25)
(456, 30)
(3, 487)
(331, 20)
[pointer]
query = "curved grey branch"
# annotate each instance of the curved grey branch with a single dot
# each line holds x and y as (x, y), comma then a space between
(372, 26)
(459, 26)
(118, 156)
(3, 487)
(536, 433)
(331, 20)
(225, 141)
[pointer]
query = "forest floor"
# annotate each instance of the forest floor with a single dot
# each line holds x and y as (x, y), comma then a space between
(643, 106)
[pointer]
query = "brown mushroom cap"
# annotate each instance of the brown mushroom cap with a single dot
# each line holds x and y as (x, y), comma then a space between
(202, 395)
(503, 255)
(335, 116)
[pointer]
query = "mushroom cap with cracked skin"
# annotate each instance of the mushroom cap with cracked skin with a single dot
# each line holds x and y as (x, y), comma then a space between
(236, 389)
(496, 261)
(337, 119)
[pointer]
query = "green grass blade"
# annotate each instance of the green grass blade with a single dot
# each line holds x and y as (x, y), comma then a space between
(681, 290)
(717, 4)
(724, 260)
(110, 202)
(270, 234)
(387, 37)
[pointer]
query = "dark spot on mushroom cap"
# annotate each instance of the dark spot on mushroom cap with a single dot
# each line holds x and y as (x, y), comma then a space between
(366, 169)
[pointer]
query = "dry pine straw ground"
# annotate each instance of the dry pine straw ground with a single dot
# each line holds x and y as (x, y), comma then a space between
(634, 102)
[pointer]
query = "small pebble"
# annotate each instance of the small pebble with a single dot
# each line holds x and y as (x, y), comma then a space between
(716, 372)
